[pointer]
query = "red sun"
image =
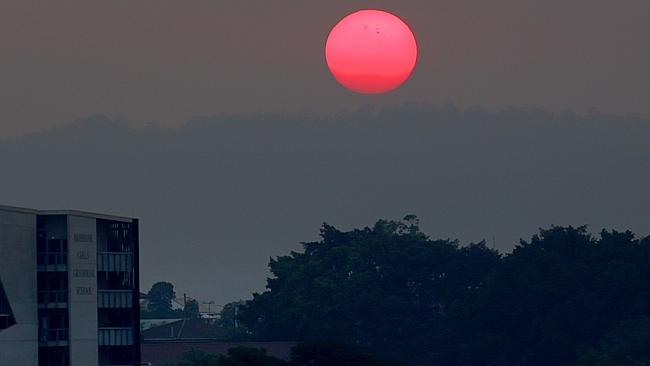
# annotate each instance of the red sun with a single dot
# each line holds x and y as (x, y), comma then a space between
(371, 52)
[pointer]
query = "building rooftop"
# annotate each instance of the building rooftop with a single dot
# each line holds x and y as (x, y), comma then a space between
(67, 212)
(18, 209)
(182, 330)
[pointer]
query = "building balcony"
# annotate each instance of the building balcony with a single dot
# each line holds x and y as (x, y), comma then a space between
(53, 337)
(52, 261)
(114, 262)
(53, 299)
(114, 299)
(115, 336)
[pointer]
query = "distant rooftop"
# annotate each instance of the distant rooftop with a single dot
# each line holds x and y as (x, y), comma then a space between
(160, 354)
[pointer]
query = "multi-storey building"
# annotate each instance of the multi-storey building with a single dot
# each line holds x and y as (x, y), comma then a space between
(68, 289)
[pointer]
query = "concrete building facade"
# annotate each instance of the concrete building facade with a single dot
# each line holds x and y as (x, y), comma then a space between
(68, 289)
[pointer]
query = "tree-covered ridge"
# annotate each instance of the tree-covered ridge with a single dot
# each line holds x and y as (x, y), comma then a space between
(394, 291)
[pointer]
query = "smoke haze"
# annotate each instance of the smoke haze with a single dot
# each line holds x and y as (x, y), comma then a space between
(220, 195)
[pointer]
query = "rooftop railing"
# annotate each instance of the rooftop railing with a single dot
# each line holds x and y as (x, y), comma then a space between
(114, 262)
(52, 337)
(52, 258)
(115, 336)
(114, 299)
(53, 297)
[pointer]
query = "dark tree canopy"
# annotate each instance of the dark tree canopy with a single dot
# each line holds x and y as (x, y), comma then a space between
(628, 343)
(305, 354)
(561, 290)
(332, 354)
(387, 288)
(160, 298)
(238, 356)
(400, 295)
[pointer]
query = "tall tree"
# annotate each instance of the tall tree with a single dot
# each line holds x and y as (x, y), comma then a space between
(160, 297)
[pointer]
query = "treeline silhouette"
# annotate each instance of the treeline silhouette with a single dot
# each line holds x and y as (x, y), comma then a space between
(564, 297)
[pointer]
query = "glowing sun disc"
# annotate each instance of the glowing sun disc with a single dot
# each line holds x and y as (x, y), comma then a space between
(371, 52)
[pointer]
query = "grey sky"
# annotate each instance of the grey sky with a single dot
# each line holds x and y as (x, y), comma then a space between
(167, 61)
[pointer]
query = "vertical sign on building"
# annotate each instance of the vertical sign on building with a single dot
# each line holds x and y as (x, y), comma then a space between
(82, 285)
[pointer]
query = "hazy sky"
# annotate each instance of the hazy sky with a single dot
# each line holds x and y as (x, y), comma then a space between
(167, 61)
(232, 191)
(220, 196)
